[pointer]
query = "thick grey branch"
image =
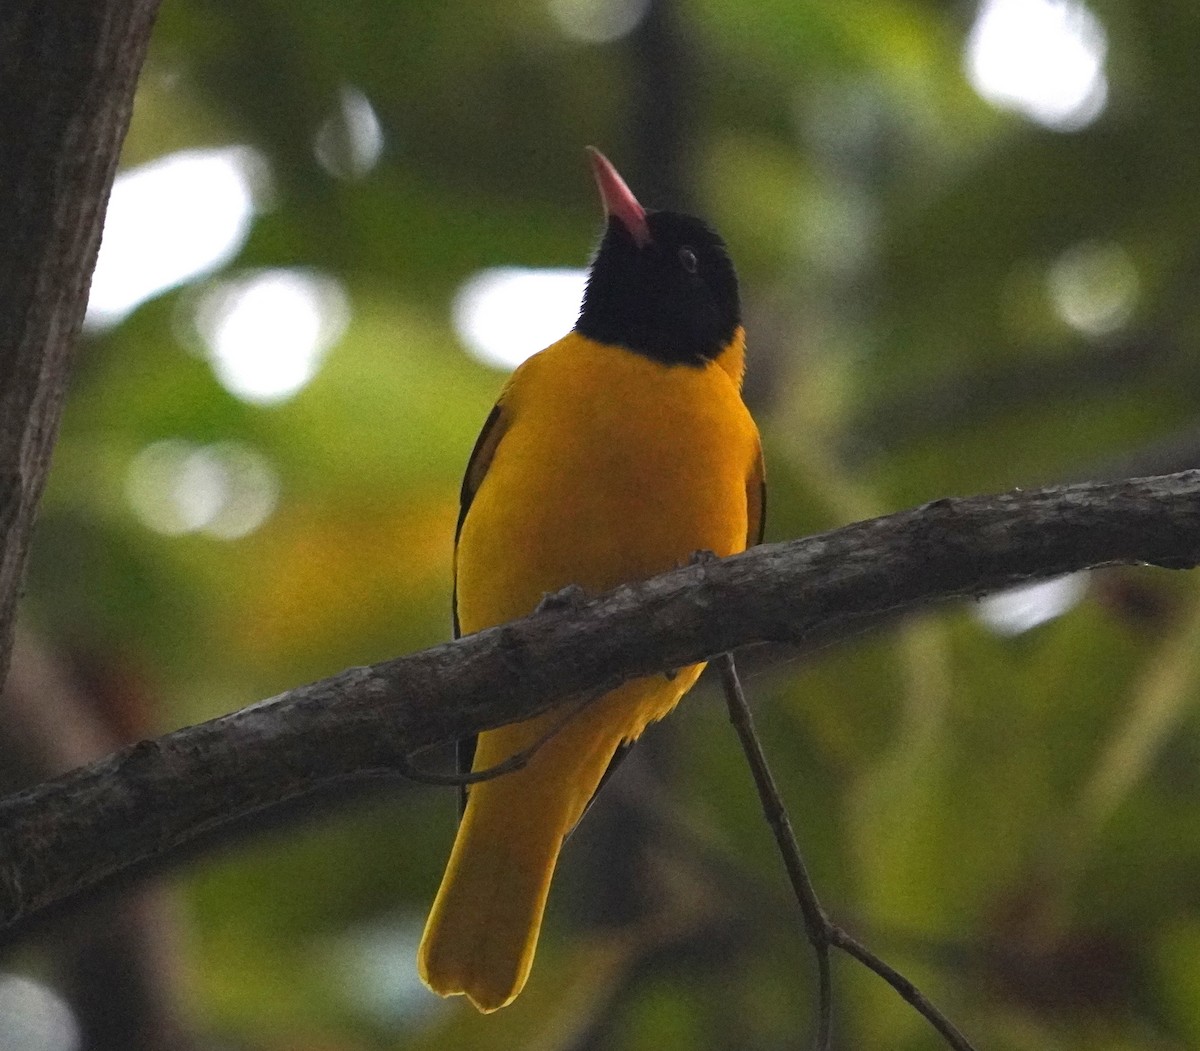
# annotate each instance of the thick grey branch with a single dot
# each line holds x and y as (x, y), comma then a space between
(146, 802)
(67, 75)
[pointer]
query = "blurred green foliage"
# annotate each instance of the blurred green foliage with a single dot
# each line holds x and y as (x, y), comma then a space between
(1013, 819)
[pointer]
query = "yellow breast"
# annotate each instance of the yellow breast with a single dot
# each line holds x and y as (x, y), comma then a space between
(611, 468)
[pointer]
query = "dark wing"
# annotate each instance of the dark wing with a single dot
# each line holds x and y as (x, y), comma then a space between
(477, 467)
(464, 754)
(756, 502)
(622, 751)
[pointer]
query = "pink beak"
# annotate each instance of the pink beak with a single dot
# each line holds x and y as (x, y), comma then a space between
(618, 198)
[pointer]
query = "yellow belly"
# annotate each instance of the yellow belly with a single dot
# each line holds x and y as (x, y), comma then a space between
(611, 468)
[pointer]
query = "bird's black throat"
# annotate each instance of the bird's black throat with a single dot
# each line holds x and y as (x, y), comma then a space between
(674, 299)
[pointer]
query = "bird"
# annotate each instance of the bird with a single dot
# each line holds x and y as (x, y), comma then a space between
(619, 452)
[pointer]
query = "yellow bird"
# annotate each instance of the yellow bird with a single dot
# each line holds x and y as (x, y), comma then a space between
(612, 455)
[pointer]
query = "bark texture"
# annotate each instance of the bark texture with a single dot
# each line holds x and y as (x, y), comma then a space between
(68, 69)
(147, 802)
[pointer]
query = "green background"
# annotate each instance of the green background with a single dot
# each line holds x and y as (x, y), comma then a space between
(1012, 819)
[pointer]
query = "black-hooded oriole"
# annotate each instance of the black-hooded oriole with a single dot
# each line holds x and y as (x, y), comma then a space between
(612, 455)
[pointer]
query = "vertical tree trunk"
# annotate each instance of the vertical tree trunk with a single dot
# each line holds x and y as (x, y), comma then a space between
(68, 69)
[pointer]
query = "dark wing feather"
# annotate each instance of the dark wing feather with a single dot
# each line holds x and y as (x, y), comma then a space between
(477, 466)
(756, 502)
(622, 751)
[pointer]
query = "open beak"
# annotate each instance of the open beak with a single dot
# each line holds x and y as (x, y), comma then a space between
(618, 198)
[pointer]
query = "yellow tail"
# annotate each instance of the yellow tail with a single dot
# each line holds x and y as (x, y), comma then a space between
(483, 928)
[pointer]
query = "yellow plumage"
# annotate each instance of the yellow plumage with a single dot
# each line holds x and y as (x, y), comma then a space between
(600, 466)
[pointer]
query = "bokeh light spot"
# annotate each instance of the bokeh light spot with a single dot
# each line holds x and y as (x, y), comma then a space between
(226, 490)
(267, 332)
(35, 1018)
(172, 220)
(506, 314)
(349, 143)
(1017, 610)
(597, 21)
(1042, 58)
(378, 967)
(1094, 287)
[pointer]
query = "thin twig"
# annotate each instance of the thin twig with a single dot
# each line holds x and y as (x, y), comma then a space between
(816, 923)
(821, 932)
(908, 992)
(517, 761)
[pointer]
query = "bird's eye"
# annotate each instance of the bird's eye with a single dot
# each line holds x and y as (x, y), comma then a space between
(687, 257)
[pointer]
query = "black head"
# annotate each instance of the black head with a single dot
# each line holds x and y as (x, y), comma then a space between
(661, 283)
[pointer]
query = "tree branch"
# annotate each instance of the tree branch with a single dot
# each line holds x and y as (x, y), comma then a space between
(67, 75)
(822, 932)
(145, 803)
(118, 962)
(816, 921)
